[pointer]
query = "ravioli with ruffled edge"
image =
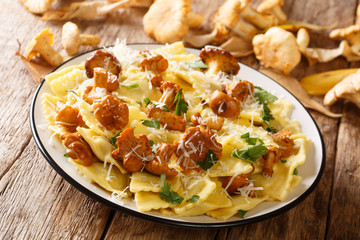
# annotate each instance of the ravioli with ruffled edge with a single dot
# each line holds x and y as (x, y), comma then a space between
(176, 132)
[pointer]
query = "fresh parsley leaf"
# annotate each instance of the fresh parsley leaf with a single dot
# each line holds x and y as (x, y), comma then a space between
(266, 117)
(210, 160)
(66, 155)
(113, 139)
(139, 102)
(248, 139)
(167, 194)
(151, 142)
(193, 199)
(283, 160)
(132, 86)
(71, 92)
(242, 213)
(151, 123)
(92, 111)
(197, 64)
(250, 153)
(264, 96)
(266, 113)
(147, 101)
(181, 105)
(295, 171)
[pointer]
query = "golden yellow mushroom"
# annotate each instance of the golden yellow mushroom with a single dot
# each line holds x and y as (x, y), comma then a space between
(169, 21)
(41, 45)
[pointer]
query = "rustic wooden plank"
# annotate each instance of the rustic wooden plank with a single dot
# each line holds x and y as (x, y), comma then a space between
(345, 195)
(124, 226)
(36, 203)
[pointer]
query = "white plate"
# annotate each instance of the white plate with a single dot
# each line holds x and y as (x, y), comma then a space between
(310, 171)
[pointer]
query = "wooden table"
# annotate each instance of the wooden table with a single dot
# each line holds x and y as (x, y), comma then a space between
(36, 203)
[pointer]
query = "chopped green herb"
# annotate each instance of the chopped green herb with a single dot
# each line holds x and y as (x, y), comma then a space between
(71, 92)
(197, 64)
(66, 155)
(283, 160)
(92, 111)
(167, 194)
(210, 160)
(147, 101)
(151, 142)
(295, 171)
(139, 102)
(264, 96)
(193, 199)
(113, 139)
(181, 105)
(248, 139)
(132, 86)
(151, 123)
(242, 213)
(251, 153)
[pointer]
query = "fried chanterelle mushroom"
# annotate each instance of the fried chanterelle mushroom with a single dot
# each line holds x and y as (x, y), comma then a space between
(219, 60)
(169, 21)
(348, 88)
(277, 48)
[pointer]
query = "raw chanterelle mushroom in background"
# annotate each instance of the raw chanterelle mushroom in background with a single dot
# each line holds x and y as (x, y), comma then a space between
(348, 88)
(71, 38)
(37, 6)
(41, 45)
(169, 21)
(277, 48)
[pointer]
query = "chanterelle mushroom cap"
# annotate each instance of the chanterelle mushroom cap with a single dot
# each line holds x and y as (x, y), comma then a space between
(71, 38)
(348, 88)
(167, 21)
(219, 60)
(277, 48)
(273, 7)
(351, 33)
(41, 45)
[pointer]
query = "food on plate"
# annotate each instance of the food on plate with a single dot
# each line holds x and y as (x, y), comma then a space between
(71, 38)
(197, 141)
(348, 88)
(41, 45)
(169, 21)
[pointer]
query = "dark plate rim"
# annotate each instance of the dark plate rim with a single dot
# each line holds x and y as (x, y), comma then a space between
(157, 219)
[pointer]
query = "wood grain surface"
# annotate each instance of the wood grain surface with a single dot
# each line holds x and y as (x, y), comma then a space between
(36, 203)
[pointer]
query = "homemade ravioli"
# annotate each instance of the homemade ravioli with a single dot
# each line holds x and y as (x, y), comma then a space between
(177, 133)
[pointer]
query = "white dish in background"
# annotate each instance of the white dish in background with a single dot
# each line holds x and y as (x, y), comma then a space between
(310, 171)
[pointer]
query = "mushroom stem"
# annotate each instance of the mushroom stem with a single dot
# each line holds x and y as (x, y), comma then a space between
(50, 55)
(91, 40)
